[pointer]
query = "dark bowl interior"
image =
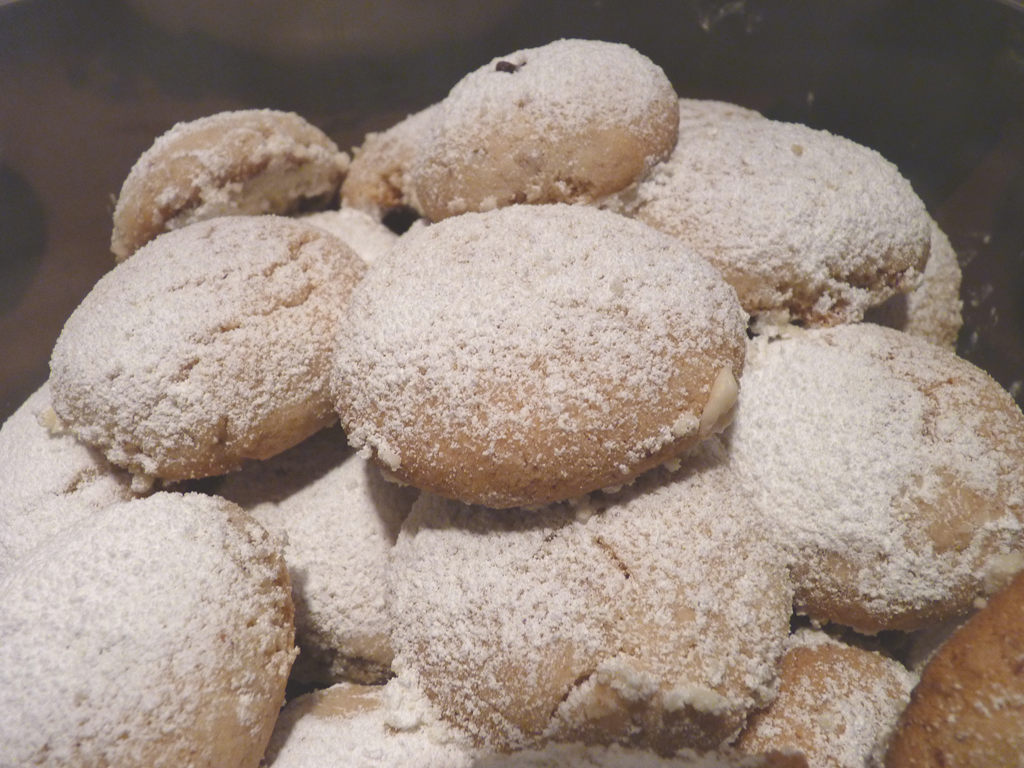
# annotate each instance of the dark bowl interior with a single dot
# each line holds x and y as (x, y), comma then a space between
(936, 86)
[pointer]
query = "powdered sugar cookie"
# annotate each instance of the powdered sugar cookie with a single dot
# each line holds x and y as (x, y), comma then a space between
(933, 310)
(48, 479)
(892, 466)
(209, 346)
(572, 121)
(348, 726)
(536, 353)
(969, 706)
(340, 519)
(230, 163)
(653, 618)
(801, 222)
(837, 704)
(157, 632)
(358, 229)
(379, 179)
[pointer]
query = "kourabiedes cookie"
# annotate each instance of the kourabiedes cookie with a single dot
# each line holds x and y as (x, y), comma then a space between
(536, 353)
(157, 632)
(653, 617)
(209, 346)
(247, 162)
(804, 224)
(892, 466)
(570, 122)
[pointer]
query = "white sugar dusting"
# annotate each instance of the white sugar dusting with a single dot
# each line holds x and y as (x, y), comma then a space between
(892, 466)
(207, 346)
(518, 331)
(156, 629)
(794, 217)
(668, 596)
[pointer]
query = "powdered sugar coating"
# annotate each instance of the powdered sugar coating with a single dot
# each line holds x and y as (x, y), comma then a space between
(652, 618)
(48, 479)
(358, 229)
(933, 310)
(157, 632)
(210, 345)
(346, 726)
(798, 220)
(572, 121)
(892, 467)
(533, 353)
(255, 161)
(838, 704)
(340, 519)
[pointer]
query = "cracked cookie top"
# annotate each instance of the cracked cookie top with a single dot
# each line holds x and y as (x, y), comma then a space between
(652, 617)
(209, 346)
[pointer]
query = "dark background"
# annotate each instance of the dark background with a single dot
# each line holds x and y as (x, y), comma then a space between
(936, 86)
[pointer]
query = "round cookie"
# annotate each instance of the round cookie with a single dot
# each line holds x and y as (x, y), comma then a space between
(379, 180)
(572, 121)
(157, 632)
(968, 708)
(837, 704)
(892, 467)
(933, 310)
(350, 726)
(806, 225)
(48, 479)
(340, 519)
(359, 230)
(231, 163)
(209, 346)
(535, 353)
(653, 618)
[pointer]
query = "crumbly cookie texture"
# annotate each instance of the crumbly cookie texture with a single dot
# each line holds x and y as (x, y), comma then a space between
(357, 726)
(893, 466)
(380, 178)
(535, 353)
(653, 617)
(799, 221)
(340, 519)
(231, 163)
(838, 704)
(209, 346)
(572, 121)
(156, 632)
(969, 706)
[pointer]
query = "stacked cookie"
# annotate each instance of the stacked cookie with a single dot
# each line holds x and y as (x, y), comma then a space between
(610, 424)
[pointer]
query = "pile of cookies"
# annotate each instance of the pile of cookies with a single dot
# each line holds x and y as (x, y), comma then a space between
(644, 444)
